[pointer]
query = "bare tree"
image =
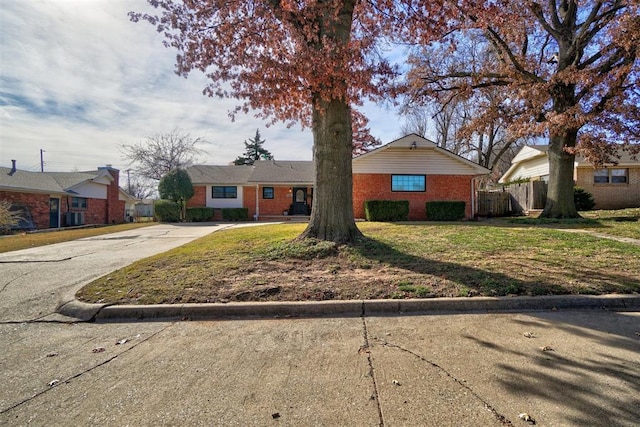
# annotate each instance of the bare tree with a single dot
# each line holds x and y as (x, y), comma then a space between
(161, 153)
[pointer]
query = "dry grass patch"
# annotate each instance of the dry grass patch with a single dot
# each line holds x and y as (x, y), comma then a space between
(31, 240)
(401, 260)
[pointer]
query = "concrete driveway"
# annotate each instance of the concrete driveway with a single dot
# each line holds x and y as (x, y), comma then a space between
(33, 282)
(562, 367)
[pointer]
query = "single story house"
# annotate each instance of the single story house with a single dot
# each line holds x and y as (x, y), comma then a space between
(410, 168)
(57, 199)
(613, 186)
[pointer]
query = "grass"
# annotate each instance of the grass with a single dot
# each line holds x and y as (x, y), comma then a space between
(30, 240)
(396, 260)
(621, 223)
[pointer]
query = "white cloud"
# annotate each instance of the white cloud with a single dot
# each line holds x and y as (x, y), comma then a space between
(78, 79)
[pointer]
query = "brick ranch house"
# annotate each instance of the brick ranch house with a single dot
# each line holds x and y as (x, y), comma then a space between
(410, 168)
(57, 199)
(613, 186)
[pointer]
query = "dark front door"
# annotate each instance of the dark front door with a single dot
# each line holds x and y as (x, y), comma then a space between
(299, 201)
(54, 213)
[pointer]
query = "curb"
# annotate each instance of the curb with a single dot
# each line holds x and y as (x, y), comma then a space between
(351, 308)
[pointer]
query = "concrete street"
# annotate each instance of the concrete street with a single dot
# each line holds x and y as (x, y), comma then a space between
(562, 367)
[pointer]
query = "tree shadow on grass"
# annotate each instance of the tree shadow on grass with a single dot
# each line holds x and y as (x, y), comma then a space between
(477, 281)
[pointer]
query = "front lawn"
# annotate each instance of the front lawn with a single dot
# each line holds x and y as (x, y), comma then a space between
(397, 260)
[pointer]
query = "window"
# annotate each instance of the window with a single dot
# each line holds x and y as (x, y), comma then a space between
(267, 192)
(610, 176)
(221, 192)
(79, 202)
(408, 183)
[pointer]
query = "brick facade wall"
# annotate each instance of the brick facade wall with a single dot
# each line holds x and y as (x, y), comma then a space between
(281, 201)
(38, 205)
(438, 188)
(611, 196)
(199, 199)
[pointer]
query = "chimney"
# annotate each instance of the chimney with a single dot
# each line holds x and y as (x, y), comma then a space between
(13, 168)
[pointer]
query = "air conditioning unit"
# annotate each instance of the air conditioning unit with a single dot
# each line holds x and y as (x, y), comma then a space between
(74, 218)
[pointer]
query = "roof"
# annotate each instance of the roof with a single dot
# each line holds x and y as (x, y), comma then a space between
(48, 182)
(231, 174)
(272, 171)
(261, 172)
(414, 154)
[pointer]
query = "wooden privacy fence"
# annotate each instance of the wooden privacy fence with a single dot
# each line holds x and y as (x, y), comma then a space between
(527, 196)
(513, 199)
(494, 203)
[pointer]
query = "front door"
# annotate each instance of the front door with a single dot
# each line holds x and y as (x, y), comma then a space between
(300, 201)
(54, 213)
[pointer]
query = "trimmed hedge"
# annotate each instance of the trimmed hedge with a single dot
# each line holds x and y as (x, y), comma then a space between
(235, 214)
(445, 211)
(199, 214)
(167, 211)
(386, 210)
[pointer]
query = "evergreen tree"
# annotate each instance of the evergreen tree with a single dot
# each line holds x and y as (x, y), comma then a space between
(253, 151)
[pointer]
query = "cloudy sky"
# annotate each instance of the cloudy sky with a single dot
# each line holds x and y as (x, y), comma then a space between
(78, 80)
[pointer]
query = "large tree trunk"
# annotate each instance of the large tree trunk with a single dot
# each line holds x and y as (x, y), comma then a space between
(332, 210)
(560, 202)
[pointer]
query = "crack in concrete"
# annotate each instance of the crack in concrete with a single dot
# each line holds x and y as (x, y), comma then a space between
(78, 375)
(366, 348)
(31, 261)
(13, 280)
(501, 418)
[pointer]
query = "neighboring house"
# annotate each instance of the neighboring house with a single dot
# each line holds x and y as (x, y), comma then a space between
(411, 168)
(57, 199)
(613, 186)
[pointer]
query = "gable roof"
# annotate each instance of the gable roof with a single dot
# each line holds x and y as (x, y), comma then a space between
(49, 182)
(415, 154)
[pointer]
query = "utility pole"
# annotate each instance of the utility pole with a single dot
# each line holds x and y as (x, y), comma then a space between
(41, 160)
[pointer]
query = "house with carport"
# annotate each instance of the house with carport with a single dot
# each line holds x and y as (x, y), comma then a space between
(410, 168)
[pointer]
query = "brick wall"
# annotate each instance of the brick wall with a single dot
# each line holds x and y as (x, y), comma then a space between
(439, 187)
(199, 199)
(281, 201)
(611, 196)
(114, 206)
(38, 205)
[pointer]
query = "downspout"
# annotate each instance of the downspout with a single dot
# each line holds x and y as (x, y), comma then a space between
(257, 215)
(473, 197)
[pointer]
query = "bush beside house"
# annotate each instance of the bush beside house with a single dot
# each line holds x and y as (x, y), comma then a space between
(386, 210)
(445, 211)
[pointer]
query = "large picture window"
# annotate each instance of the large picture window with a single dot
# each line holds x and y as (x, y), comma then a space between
(408, 183)
(79, 202)
(611, 176)
(224, 192)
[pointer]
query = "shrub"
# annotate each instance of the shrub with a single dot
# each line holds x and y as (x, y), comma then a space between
(235, 214)
(386, 210)
(199, 214)
(167, 211)
(583, 199)
(445, 211)
(8, 217)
